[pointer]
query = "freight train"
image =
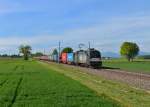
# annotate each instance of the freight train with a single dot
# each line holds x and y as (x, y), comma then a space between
(88, 58)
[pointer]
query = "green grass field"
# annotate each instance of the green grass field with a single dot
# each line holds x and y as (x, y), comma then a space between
(31, 84)
(142, 66)
(126, 95)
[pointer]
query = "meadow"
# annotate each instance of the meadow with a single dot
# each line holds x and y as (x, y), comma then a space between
(120, 92)
(138, 65)
(32, 84)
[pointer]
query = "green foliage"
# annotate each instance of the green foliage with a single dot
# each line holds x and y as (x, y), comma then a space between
(37, 54)
(25, 50)
(15, 56)
(144, 57)
(4, 55)
(139, 65)
(129, 50)
(126, 95)
(55, 52)
(67, 50)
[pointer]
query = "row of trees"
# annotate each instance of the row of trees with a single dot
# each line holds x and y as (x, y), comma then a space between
(25, 50)
(128, 49)
(11, 56)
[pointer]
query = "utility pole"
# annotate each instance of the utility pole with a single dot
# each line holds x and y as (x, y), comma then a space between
(44, 51)
(89, 45)
(59, 53)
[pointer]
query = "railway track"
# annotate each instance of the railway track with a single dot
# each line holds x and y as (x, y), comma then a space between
(136, 80)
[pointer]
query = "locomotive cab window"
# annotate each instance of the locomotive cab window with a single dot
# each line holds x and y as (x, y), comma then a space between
(95, 54)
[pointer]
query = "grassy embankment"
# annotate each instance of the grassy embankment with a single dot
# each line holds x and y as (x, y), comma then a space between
(126, 95)
(30, 84)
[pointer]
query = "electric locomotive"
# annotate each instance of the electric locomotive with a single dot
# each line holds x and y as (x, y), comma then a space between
(94, 58)
(89, 58)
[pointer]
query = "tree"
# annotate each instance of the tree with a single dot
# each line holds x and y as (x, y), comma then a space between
(67, 50)
(15, 56)
(129, 50)
(25, 50)
(55, 52)
(37, 54)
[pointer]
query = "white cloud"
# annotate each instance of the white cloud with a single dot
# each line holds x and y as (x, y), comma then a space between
(111, 34)
(107, 36)
(13, 41)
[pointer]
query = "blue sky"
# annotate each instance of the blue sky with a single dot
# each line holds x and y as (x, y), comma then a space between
(105, 23)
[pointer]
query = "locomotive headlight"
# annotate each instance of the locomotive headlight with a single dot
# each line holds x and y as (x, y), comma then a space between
(95, 59)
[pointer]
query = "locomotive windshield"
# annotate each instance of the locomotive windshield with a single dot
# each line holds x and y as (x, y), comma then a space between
(95, 54)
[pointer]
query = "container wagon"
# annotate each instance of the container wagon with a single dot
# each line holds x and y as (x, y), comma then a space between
(55, 58)
(44, 58)
(70, 58)
(50, 57)
(64, 58)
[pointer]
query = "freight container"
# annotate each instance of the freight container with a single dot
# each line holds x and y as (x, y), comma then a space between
(44, 58)
(55, 58)
(50, 57)
(70, 58)
(76, 58)
(64, 58)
